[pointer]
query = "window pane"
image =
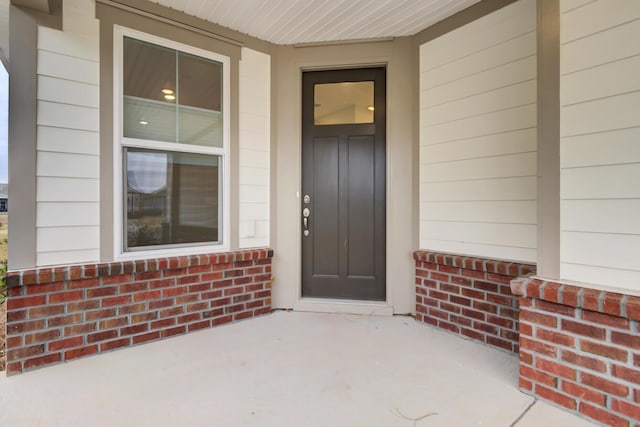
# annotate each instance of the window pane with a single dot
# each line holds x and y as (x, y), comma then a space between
(200, 101)
(171, 96)
(343, 103)
(149, 91)
(171, 198)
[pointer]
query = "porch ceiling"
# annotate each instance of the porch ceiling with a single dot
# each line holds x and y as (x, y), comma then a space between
(307, 21)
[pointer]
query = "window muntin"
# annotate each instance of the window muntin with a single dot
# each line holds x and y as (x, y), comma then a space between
(172, 180)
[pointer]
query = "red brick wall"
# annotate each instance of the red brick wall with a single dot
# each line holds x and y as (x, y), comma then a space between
(59, 314)
(469, 296)
(580, 349)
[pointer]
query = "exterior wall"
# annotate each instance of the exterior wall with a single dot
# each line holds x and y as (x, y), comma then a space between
(68, 209)
(255, 131)
(67, 193)
(580, 349)
(469, 296)
(59, 314)
(600, 154)
(478, 137)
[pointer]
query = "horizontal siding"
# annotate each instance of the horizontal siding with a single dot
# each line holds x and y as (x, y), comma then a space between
(495, 234)
(513, 21)
(600, 48)
(488, 251)
(617, 251)
(67, 238)
(596, 16)
(601, 182)
(64, 91)
(601, 276)
(67, 214)
(500, 212)
(254, 148)
(614, 78)
(600, 154)
(615, 112)
(68, 166)
(68, 116)
(67, 257)
(478, 136)
(602, 148)
(54, 64)
(50, 189)
(64, 140)
(602, 216)
(505, 75)
(524, 140)
(520, 188)
(507, 166)
(487, 102)
(503, 53)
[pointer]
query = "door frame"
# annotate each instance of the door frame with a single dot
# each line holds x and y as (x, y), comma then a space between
(335, 305)
(398, 57)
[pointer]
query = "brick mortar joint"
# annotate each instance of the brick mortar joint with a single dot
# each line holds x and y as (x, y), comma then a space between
(91, 270)
(484, 265)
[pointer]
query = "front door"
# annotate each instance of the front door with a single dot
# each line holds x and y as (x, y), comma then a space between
(343, 211)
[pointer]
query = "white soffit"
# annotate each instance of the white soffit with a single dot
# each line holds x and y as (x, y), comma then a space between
(309, 21)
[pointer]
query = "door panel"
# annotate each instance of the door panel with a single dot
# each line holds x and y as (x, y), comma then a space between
(325, 224)
(361, 213)
(343, 173)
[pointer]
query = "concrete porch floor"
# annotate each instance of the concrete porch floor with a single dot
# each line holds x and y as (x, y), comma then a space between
(285, 369)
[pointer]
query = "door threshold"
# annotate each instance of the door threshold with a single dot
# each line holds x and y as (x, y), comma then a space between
(366, 308)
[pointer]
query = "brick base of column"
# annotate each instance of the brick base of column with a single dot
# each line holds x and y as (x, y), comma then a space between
(63, 313)
(580, 349)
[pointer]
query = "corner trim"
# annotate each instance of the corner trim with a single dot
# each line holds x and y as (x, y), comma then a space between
(23, 105)
(548, 128)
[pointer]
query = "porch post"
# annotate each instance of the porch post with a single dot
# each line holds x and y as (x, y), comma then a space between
(548, 200)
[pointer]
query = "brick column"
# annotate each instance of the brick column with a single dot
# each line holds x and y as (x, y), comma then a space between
(580, 349)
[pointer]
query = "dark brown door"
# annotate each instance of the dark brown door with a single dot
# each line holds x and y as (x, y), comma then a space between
(343, 184)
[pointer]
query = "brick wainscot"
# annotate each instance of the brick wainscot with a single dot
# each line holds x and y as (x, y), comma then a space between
(62, 313)
(580, 349)
(469, 296)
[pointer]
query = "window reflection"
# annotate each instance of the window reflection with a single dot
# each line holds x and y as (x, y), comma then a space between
(172, 198)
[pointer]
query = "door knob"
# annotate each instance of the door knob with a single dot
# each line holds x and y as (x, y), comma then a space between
(305, 221)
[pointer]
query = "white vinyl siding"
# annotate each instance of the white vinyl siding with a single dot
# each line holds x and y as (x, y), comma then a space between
(255, 107)
(67, 168)
(478, 121)
(600, 142)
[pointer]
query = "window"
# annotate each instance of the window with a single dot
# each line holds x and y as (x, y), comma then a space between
(172, 147)
(343, 103)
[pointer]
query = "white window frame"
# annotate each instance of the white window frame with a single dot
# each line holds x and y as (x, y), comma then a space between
(120, 142)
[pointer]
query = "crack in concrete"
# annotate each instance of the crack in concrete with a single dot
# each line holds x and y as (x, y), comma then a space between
(521, 416)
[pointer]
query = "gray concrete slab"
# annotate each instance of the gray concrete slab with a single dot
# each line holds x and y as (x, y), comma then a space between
(285, 369)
